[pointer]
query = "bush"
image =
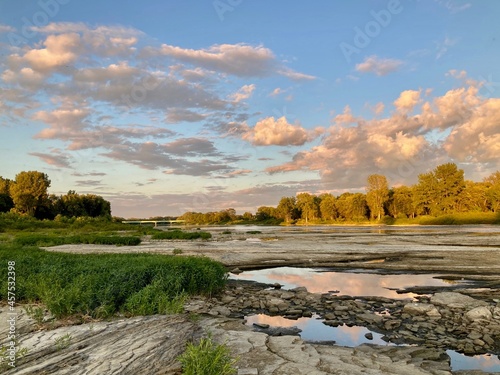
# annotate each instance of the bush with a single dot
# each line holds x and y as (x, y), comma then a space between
(54, 240)
(103, 284)
(180, 235)
(207, 358)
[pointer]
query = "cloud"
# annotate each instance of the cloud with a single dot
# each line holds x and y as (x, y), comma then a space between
(241, 60)
(56, 159)
(460, 126)
(270, 131)
(443, 47)
(277, 91)
(407, 100)
(378, 66)
(88, 183)
(176, 115)
(243, 93)
(93, 174)
(6, 29)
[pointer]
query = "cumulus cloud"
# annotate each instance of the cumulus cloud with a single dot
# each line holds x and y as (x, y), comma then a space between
(243, 93)
(378, 66)
(401, 145)
(270, 131)
(241, 60)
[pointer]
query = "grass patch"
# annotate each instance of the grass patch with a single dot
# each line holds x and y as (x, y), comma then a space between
(207, 358)
(181, 235)
(254, 232)
(226, 232)
(101, 285)
(54, 240)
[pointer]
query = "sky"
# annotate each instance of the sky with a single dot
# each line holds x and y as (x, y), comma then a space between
(164, 107)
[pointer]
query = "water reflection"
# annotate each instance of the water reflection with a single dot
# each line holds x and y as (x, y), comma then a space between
(487, 362)
(347, 283)
(314, 330)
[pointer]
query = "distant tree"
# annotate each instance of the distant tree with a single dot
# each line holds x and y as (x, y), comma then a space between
(308, 205)
(377, 194)
(327, 207)
(400, 202)
(265, 213)
(359, 206)
(473, 197)
(437, 192)
(287, 209)
(29, 191)
(248, 216)
(6, 202)
(492, 183)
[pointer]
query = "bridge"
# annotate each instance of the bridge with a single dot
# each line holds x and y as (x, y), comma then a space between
(155, 222)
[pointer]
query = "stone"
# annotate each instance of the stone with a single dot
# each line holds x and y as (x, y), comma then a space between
(478, 313)
(457, 300)
(369, 336)
(421, 309)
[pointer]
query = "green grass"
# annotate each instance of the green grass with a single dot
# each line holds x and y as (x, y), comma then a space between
(54, 240)
(254, 232)
(180, 235)
(207, 358)
(101, 285)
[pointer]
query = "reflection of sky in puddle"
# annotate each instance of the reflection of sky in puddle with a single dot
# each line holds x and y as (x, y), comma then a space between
(489, 363)
(348, 283)
(314, 330)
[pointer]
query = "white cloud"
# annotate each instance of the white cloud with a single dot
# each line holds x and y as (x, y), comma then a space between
(243, 93)
(378, 66)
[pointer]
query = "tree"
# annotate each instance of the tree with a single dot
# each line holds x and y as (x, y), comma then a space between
(493, 191)
(400, 202)
(287, 209)
(308, 205)
(327, 207)
(437, 192)
(377, 194)
(29, 191)
(6, 202)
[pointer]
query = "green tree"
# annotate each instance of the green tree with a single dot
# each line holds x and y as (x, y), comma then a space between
(6, 202)
(437, 192)
(493, 191)
(400, 202)
(377, 194)
(473, 197)
(308, 205)
(327, 207)
(29, 191)
(287, 209)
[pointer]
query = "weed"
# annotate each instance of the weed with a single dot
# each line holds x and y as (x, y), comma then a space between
(180, 235)
(36, 313)
(227, 232)
(7, 358)
(207, 358)
(63, 342)
(254, 232)
(177, 251)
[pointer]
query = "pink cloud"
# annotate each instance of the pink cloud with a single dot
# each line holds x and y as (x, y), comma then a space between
(379, 66)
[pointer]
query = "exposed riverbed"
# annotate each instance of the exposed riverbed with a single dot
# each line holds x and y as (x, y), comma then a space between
(423, 270)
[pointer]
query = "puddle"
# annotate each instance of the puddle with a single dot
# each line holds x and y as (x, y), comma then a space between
(486, 362)
(345, 283)
(313, 330)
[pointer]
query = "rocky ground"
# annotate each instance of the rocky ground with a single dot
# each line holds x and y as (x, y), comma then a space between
(466, 319)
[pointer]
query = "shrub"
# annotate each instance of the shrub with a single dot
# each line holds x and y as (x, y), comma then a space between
(207, 358)
(101, 285)
(180, 235)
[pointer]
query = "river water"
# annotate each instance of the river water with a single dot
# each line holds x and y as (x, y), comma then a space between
(353, 283)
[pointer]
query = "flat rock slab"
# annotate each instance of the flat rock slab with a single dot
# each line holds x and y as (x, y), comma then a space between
(134, 346)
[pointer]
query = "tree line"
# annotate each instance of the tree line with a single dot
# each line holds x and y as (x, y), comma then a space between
(441, 191)
(28, 195)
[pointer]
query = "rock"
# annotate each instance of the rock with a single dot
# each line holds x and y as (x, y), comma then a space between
(220, 310)
(392, 324)
(422, 309)
(478, 313)
(261, 325)
(455, 300)
(277, 286)
(369, 336)
(236, 271)
(371, 318)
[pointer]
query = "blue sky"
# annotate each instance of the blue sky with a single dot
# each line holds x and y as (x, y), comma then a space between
(164, 107)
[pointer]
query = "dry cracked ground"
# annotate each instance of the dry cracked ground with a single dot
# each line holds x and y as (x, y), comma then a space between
(150, 345)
